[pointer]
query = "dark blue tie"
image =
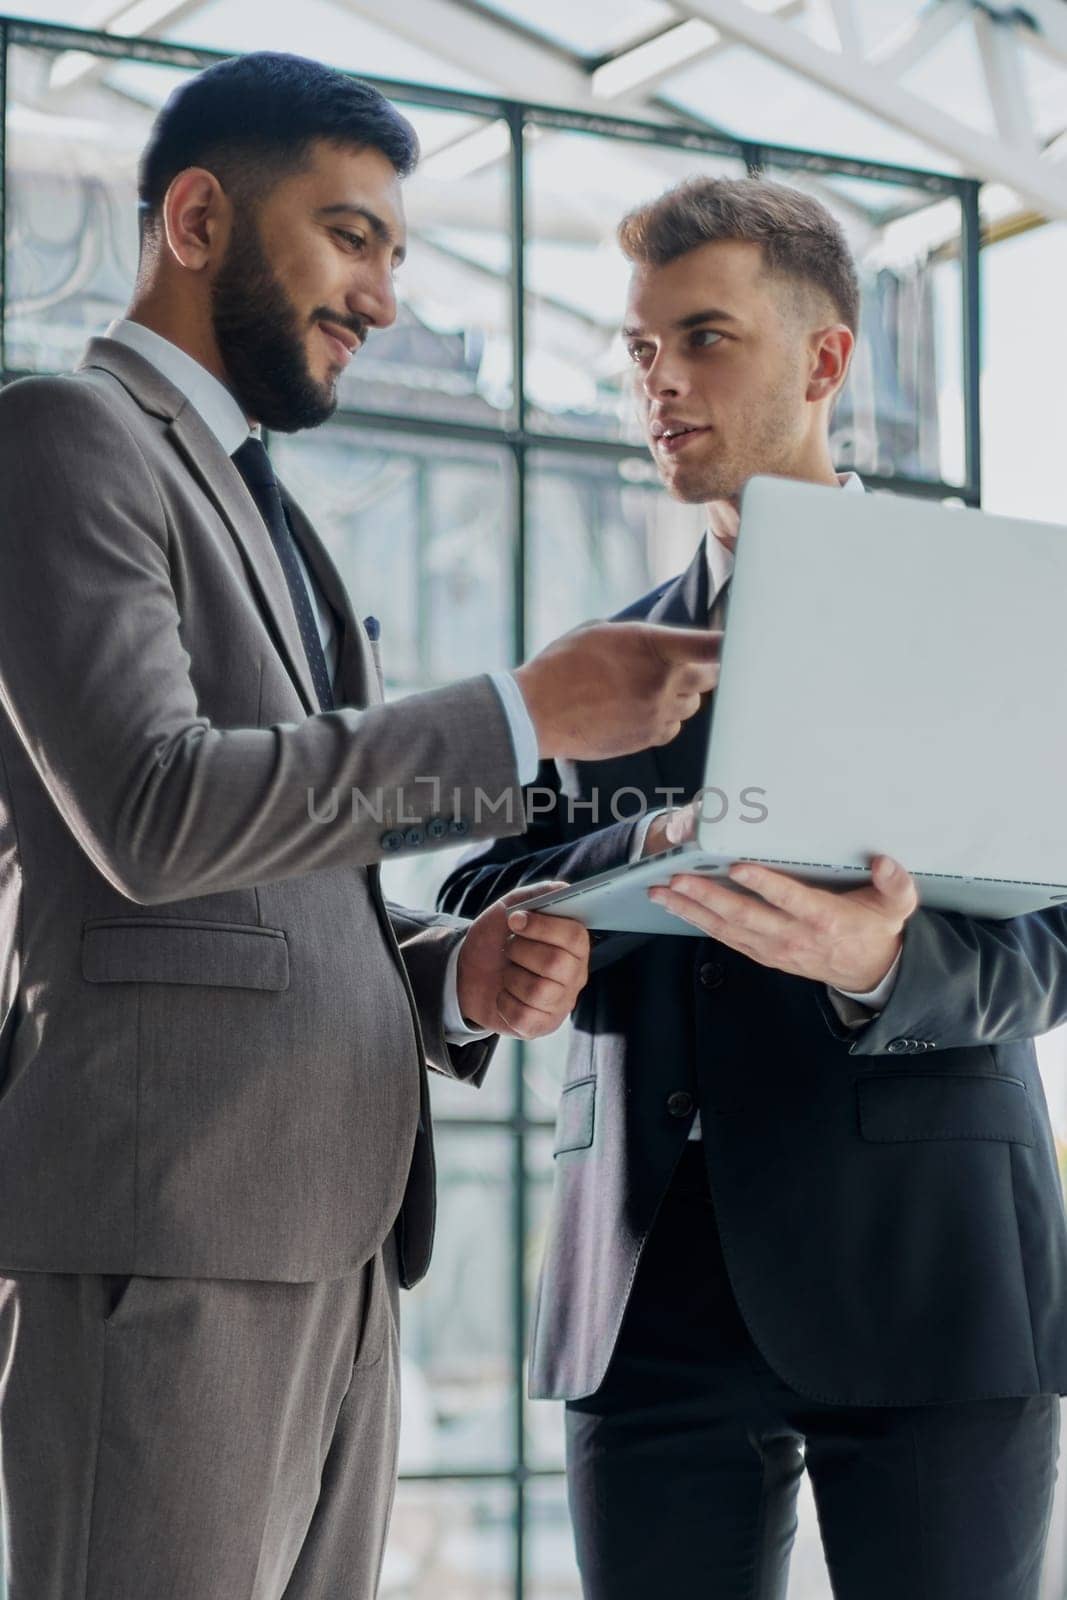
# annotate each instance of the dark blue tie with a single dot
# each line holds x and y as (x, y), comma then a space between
(254, 465)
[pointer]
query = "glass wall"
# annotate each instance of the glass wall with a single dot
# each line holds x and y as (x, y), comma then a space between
(430, 515)
(484, 488)
(1025, 355)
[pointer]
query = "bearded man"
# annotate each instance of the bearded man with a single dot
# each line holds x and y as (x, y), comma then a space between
(215, 1148)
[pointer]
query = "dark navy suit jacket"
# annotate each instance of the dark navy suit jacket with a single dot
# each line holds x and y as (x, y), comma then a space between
(888, 1198)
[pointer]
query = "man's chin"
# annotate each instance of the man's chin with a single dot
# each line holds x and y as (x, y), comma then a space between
(327, 392)
(312, 409)
(692, 489)
(327, 395)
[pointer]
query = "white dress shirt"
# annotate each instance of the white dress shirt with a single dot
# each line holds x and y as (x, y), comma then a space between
(222, 414)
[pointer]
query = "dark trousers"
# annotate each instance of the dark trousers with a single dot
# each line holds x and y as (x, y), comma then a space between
(683, 1469)
(197, 1439)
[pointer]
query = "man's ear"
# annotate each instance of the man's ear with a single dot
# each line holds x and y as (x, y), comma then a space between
(831, 351)
(196, 219)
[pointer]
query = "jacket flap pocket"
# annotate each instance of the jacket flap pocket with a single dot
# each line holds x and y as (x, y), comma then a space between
(906, 1106)
(574, 1123)
(219, 955)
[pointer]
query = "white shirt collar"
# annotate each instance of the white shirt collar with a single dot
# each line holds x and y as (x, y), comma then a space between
(721, 560)
(720, 566)
(201, 388)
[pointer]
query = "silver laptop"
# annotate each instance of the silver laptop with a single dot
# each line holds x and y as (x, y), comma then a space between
(894, 679)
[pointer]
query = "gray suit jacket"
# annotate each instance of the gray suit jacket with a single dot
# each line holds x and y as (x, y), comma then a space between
(213, 1032)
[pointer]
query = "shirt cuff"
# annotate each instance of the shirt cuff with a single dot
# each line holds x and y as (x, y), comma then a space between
(855, 1009)
(640, 833)
(520, 724)
(878, 997)
(456, 1029)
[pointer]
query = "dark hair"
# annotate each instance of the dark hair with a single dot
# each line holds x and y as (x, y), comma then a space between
(253, 119)
(799, 238)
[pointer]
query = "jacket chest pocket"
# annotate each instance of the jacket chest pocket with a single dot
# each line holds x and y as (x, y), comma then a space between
(575, 1119)
(907, 1106)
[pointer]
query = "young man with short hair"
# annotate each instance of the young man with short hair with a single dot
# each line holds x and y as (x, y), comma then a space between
(777, 1242)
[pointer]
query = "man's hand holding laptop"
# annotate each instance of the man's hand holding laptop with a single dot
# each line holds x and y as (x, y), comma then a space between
(847, 939)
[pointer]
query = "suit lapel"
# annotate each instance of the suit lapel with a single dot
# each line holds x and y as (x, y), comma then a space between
(684, 604)
(679, 765)
(218, 477)
(357, 672)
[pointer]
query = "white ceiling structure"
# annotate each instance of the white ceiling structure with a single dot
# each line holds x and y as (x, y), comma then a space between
(935, 87)
(974, 87)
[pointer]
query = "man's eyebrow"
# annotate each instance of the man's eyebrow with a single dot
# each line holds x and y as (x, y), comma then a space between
(695, 319)
(378, 226)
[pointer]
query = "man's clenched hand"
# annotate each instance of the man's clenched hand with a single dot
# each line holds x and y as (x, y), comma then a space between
(520, 973)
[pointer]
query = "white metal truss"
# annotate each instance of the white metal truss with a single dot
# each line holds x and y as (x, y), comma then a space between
(516, 65)
(131, 19)
(1013, 157)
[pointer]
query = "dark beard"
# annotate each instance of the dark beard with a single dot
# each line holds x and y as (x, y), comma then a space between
(258, 336)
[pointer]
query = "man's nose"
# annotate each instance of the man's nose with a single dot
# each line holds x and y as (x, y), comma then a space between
(372, 296)
(664, 378)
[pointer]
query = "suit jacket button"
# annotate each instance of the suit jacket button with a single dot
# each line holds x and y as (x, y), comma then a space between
(436, 828)
(414, 836)
(712, 975)
(393, 840)
(680, 1103)
(899, 1047)
(459, 826)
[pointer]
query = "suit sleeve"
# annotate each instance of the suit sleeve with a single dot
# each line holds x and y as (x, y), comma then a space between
(96, 682)
(543, 852)
(426, 941)
(973, 981)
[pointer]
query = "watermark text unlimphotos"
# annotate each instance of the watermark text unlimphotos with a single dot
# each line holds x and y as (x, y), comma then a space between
(409, 806)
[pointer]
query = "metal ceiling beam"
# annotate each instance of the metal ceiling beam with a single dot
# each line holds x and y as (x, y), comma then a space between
(640, 95)
(999, 48)
(870, 88)
(848, 32)
(525, 30)
(105, 18)
(1049, 30)
(906, 47)
(514, 61)
(468, 39)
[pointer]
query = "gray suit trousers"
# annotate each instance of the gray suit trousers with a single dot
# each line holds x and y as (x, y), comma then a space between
(198, 1439)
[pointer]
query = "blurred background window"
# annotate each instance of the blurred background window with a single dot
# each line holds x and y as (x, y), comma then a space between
(484, 485)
